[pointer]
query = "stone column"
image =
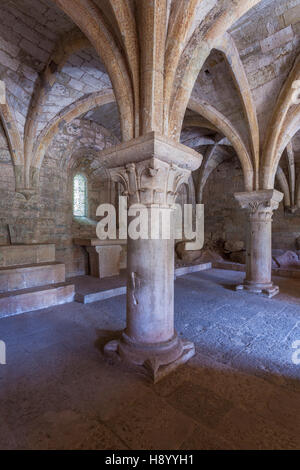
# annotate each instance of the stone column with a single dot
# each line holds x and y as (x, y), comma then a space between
(260, 206)
(153, 170)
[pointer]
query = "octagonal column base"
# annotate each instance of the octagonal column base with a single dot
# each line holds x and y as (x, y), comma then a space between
(157, 359)
(268, 290)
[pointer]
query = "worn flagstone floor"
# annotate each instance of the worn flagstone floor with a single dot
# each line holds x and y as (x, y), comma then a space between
(240, 391)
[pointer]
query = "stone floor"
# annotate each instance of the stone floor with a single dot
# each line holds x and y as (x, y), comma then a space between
(240, 391)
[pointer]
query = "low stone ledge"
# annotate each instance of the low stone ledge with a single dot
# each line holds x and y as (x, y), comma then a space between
(20, 255)
(283, 272)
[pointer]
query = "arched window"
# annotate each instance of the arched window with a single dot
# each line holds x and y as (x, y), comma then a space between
(80, 206)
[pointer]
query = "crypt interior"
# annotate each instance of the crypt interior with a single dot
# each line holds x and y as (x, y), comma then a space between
(145, 343)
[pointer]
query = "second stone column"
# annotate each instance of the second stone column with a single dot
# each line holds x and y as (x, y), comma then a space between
(259, 206)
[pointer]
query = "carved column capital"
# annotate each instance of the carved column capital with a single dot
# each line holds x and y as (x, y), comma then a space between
(151, 181)
(151, 168)
(260, 204)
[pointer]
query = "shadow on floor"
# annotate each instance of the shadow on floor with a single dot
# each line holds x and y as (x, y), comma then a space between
(203, 405)
(240, 391)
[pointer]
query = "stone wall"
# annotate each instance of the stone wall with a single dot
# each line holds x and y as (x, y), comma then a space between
(47, 217)
(225, 221)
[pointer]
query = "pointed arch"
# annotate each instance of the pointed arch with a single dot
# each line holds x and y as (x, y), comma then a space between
(284, 186)
(89, 19)
(128, 29)
(10, 128)
(291, 169)
(198, 121)
(181, 19)
(226, 128)
(67, 115)
(203, 40)
(227, 46)
(291, 126)
(278, 126)
(67, 45)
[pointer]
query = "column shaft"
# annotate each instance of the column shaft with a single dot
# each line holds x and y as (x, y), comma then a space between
(259, 249)
(150, 291)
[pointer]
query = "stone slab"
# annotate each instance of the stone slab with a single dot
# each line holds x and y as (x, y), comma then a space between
(25, 277)
(20, 255)
(27, 300)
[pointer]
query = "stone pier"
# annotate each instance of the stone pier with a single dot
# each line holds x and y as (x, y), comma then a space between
(151, 170)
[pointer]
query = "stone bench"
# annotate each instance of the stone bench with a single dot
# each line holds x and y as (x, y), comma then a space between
(104, 255)
(19, 255)
(13, 278)
(31, 279)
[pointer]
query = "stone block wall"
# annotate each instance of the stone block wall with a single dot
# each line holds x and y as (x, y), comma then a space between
(225, 221)
(47, 216)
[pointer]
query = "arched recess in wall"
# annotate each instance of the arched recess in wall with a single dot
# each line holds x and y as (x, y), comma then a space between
(85, 161)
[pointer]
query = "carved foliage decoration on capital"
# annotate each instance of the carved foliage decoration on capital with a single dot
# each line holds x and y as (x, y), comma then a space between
(150, 181)
(260, 209)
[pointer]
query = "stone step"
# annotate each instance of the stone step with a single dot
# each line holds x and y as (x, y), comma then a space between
(27, 300)
(193, 268)
(91, 289)
(101, 295)
(33, 275)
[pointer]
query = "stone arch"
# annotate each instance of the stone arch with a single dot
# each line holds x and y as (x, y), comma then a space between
(229, 50)
(195, 53)
(290, 128)
(90, 20)
(66, 116)
(284, 186)
(70, 43)
(225, 127)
